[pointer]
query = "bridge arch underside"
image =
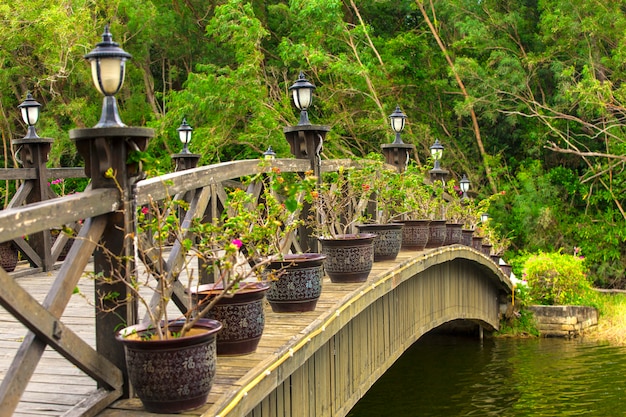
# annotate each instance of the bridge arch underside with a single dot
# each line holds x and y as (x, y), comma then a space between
(340, 372)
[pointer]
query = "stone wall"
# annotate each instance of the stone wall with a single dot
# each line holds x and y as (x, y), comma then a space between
(564, 321)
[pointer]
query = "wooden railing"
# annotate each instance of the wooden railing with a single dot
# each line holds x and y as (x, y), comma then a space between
(102, 211)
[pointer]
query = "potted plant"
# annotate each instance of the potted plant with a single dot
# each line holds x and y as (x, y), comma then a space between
(453, 213)
(295, 278)
(412, 204)
(375, 175)
(471, 213)
(171, 362)
(437, 227)
(338, 207)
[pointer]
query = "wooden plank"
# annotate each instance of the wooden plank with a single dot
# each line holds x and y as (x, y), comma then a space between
(158, 188)
(50, 330)
(18, 174)
(20, 195)
(31, 349)
(45, 215)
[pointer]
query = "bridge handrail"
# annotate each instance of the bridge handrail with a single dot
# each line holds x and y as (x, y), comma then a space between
(35, 217)
(160, 187)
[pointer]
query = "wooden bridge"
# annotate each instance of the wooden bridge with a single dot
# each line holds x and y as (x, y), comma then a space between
(58, 354)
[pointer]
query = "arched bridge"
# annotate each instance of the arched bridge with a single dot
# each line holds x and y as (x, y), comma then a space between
(317, 363)
(321, 363)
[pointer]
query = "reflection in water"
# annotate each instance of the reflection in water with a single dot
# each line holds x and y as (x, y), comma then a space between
(455, 376)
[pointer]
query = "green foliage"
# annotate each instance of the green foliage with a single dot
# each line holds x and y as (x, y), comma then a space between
(544, 80)
(558, 279)
(340, 202)
(522, 324)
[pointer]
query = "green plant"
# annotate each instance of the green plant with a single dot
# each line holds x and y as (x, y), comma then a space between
(217, 245)
(411, 197)
(519, 324)
(340, 203)
(558, 279)
(494, 238)
(472, 209)
(266, 218)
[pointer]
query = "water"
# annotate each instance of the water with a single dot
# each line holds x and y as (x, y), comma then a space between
(445, 376)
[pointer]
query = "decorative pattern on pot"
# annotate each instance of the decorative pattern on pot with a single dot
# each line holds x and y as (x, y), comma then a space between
(466, 237)
(415, 234)
(477, 243)
(299, 285)
(349, 257)
(389, 241)
(8, 256)
(453, 233)
(242, 316)
(437, 233)
(173, 375)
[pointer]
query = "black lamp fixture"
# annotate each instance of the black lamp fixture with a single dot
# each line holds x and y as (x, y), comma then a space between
(269, 154)
(465, 186)
(184, 134)
(436, 151)
(398, 120)
(108, 65)
(30, 115)
(302, 92)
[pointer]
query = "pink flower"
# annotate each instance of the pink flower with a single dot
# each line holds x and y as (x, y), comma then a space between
(237, 243)
(144, 210)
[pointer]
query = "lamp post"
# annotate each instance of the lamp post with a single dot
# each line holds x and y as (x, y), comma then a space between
(306, 142)
(269, 154)
(437, 173)
(106, 149)
(30, 114)
(484, 217)
(33, 153)
(465, 186)
(302, 92)
(397, 153)
(108, 66)
(185, 159)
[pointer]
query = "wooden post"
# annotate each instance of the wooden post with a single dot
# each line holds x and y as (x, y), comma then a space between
(306, 142)
(106, 150)
(398, 154)
(33, 153)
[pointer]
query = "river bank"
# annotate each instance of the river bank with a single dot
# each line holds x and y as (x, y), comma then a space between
(612, 321)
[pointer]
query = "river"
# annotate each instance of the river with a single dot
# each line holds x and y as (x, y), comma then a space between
(446, 376)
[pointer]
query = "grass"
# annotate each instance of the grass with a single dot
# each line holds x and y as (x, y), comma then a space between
(612, 321)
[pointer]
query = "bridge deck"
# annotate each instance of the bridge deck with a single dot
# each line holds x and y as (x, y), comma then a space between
(58, 385)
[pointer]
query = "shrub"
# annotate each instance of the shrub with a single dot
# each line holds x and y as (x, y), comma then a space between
(558, 279)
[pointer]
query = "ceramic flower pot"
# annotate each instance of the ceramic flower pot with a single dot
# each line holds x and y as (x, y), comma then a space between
(349, 257)
(173, 375)
(8, 256)
(241, 314)
(477, 243)
(454, 233)
(389, 241)
(466, 237)
(438, 233)
(298, 285)
(415, 234)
